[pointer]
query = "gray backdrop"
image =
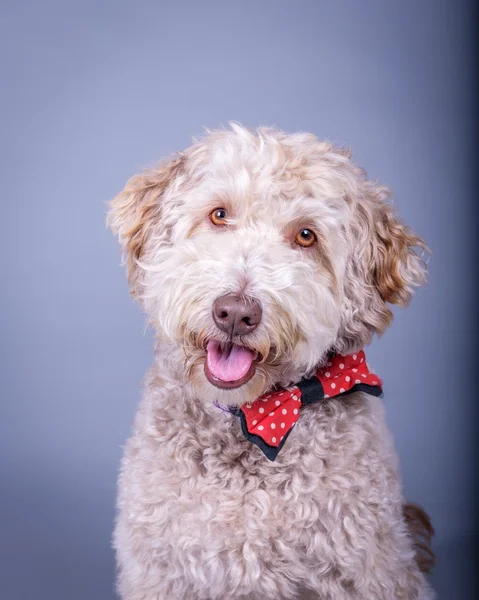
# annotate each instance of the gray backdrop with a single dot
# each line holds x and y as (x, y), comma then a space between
(92, 91)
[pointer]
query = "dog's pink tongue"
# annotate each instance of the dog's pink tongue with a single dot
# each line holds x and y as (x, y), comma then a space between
(228, 364)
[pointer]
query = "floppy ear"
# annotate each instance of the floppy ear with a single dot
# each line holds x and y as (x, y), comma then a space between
(135, 214)
(384, 267)
(396, 265)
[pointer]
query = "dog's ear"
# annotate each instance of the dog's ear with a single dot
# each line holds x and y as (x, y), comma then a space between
(135, 214)
(385, 265)
(393, 252)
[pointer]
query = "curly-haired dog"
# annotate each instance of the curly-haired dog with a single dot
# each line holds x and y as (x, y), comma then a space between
(265, 262)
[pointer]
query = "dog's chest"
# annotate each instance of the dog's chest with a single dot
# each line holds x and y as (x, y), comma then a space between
(219, 491)
(205, 498)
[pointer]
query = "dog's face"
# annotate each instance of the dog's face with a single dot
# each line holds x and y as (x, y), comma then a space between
(260, 253)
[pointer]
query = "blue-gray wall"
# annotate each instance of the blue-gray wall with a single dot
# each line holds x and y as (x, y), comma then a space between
(94, 90)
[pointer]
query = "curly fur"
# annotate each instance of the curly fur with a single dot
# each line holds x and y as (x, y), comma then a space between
(202, 514)
(422, 532)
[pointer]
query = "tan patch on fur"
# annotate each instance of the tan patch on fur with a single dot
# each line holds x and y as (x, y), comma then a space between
(422, 532)
(396, 245)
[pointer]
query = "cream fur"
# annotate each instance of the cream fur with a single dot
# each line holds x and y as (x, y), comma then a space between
(203, 515)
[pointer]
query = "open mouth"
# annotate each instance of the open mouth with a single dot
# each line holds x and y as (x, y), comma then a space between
(229, 365)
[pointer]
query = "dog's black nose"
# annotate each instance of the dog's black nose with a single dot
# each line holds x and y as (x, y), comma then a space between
(237, 315)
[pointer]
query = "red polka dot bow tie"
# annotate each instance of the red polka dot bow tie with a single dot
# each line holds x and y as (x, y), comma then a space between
(269, 420)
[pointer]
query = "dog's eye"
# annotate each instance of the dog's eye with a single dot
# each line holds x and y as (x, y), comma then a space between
(218, 216)
(305, 238)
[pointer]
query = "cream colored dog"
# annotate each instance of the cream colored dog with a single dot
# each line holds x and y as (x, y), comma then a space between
(257, 257)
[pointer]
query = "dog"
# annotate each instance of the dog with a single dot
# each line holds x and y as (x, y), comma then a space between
(265, 263)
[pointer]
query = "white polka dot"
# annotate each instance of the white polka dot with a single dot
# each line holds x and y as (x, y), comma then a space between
(355, 356)
(295, 411)
(342, 390)
(261, 409)
(284, 411)
(294, 397)
(260, 427)
(264, 399)
(254, 422)
(341, 365)
(363, 376)
(293, 424)
(281, 393)
(283, 425)
(328, 374)
(273, 425)
(357, 381)
(362, 360)
(333, 385)
(326, 395)
(273, 440)
(277, 403)
(248, 406)
(355, 370)
(375, 382)
(329, 364)
(271, 414)
(348, 378)
(268, 397)
(281, 438)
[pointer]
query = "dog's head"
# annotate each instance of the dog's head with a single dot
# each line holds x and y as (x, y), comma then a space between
(258, 253)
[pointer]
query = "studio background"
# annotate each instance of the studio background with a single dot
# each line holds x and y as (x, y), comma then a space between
(92, 92)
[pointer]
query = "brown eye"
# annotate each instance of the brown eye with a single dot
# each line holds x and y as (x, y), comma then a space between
(305, 238)
(218, 216)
